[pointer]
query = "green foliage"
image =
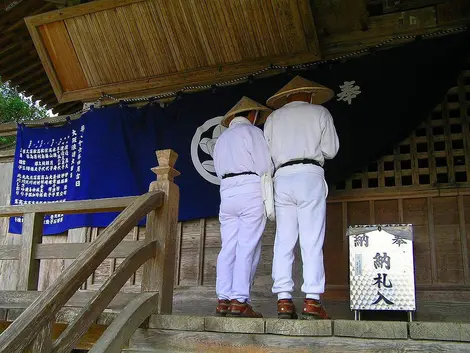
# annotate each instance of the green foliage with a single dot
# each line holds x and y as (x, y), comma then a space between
(14, 106)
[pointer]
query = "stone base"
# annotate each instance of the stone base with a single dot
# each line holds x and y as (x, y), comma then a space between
(153, 341)
(437, 331)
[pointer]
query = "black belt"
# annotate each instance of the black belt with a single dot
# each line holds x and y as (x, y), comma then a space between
(300, 161)
(231, 175)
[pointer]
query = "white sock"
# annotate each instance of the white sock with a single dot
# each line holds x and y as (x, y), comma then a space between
(313, 296)
(284, 295)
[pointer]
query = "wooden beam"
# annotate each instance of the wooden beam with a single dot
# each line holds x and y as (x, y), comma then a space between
(65, 250)
(432, 240)
(73, 250)
(385, 6)
(463, 239)
(453, 11)
(381, 28)
(74, 207)
(78, 10)
(339, 16)
(20, 23)
(404, 192)
(58, 2)
(23, 71)
(30, 77)
(22, 300)
(176, 81)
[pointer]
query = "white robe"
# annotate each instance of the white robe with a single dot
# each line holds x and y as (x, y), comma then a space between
(241, 148)
(300, 130)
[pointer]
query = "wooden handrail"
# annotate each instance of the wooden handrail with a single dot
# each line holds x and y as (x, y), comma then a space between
(124, 326)
(31, 331)
(70, 207)
(26, 327)
(102, 298)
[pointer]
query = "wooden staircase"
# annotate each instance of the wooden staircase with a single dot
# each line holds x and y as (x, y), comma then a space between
(60, 317)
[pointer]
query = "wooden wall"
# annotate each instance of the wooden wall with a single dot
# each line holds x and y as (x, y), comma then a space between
(424, 181)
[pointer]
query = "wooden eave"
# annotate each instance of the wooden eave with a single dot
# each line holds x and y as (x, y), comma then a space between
(342, 27)
(127, 46)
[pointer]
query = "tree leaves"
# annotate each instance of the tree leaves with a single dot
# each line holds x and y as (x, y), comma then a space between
(14, 106)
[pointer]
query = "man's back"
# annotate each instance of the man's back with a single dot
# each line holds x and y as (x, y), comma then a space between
(241, 148)
(301, 130)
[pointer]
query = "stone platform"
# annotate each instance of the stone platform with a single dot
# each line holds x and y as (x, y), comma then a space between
(179, 333)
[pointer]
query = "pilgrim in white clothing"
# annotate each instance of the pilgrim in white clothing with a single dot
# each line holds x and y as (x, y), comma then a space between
(241, 157)
(300, 135)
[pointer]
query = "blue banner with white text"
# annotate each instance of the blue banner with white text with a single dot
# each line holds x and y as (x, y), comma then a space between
(105, 153)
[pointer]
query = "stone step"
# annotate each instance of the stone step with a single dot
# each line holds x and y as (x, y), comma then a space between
(439, 331)
(179, 333)
(153, 341)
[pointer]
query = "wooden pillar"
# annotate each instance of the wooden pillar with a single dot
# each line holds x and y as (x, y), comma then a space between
(158, 273)
(30, 237)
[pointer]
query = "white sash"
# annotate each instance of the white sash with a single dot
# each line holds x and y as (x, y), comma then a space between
(267, 191)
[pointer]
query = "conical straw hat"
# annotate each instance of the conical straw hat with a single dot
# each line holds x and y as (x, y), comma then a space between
(247, 104)
(321, 94)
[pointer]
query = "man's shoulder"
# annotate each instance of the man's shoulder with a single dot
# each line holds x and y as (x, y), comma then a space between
(248, 128)
(302, 106)
(237, 132)
(316, 107)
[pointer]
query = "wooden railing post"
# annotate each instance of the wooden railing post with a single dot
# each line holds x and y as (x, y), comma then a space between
(33, 225)
(158, 273)
(28, 265)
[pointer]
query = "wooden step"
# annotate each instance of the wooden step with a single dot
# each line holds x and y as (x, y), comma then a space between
(211, 342)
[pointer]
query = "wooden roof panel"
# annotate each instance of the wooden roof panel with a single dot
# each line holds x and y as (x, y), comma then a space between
(343, 27)
(112, 45)
(63, 56)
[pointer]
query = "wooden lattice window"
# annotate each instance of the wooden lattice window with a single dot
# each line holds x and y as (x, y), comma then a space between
(436, 154)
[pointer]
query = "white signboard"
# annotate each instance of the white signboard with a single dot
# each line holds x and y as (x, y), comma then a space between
(381, 267)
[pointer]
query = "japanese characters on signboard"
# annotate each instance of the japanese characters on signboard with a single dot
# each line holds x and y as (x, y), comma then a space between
(49, 169)
(381, 267)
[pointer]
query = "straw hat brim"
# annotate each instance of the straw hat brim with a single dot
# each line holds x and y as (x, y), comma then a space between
(262, 116)
(321, 95)
(243, 105)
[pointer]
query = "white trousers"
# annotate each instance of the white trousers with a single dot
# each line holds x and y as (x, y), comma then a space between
(242, 222)
(300, 200)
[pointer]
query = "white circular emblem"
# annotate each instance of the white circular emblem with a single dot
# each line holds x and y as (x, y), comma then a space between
(206, 169)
